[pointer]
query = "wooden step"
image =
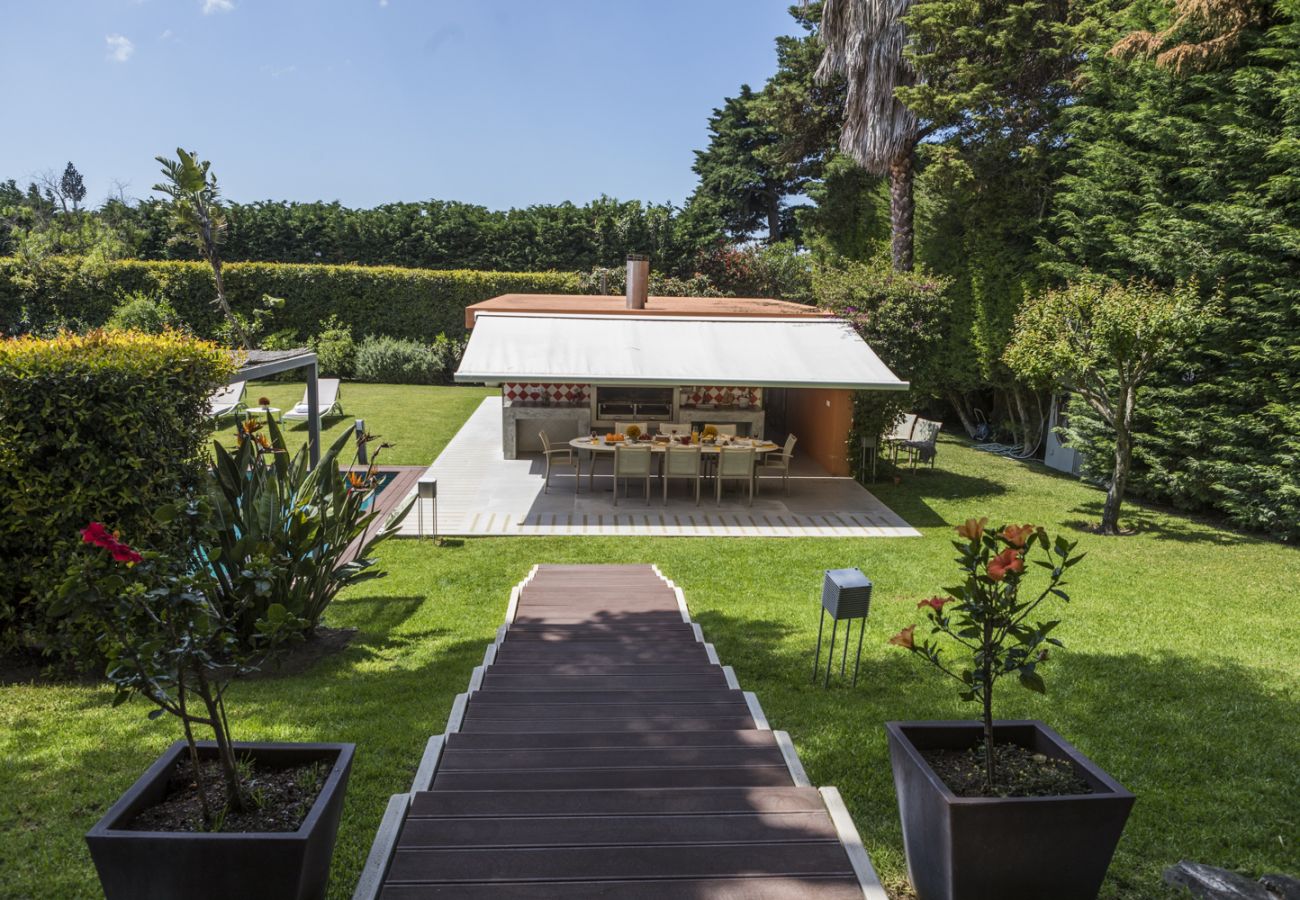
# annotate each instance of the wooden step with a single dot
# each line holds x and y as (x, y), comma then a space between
(592, 741)
(500, 670)
(776, 775)
(629, 724)
(575, 831)
(695, 801)
(523, 712)
(600, 694)
(617, 863)
(479, 759)
(808, 887)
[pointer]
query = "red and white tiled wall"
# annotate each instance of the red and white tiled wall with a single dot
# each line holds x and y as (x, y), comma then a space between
(720, 395)
(546, 394)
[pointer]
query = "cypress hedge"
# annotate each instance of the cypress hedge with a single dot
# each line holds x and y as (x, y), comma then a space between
(104, 426)
(414, 304)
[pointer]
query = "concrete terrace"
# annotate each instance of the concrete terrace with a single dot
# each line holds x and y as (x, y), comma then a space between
(481, 493)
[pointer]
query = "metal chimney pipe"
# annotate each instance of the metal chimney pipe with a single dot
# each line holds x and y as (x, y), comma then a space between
(638, 280)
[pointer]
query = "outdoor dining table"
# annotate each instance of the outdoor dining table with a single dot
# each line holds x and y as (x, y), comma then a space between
(600, 445)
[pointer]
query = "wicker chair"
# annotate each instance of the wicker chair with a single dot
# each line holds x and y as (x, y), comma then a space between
(922, 444)
(777, 463)
(736, 463)
(683, 462)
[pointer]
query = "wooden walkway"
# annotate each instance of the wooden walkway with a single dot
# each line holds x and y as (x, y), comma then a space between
(602, 751)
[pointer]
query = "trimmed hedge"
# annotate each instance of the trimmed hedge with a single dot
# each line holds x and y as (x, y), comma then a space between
(415, 304)
(106, 426)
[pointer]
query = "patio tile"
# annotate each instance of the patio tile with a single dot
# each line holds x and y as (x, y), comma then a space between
(482, 493)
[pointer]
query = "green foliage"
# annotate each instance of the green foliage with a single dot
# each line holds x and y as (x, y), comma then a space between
(166, 627)
(613, 280)
(306, 533)
(138, 311)
(107, 427)
(416, 304)
(900, 314)
(335, 349)
(1179, 177)
(988, 618)
(388, 360)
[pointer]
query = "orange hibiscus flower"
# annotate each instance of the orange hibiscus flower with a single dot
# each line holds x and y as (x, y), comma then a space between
(1007, 561)
(1018, 535)
(935, 603)
(973, 530)
(903, 638)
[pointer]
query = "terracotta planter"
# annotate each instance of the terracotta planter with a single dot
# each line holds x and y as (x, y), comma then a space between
(144, 865)
(973, 848)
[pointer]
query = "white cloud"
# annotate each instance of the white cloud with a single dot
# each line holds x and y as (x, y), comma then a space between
(383, 2)
(119, 48)
(212, 6)
(166, 35)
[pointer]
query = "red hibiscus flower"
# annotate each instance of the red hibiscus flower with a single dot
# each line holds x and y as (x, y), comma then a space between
(97, 534)
(935, 603)
(903, 638)
(1007, 561)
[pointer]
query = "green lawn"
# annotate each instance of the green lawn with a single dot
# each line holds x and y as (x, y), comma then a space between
(1181, 675)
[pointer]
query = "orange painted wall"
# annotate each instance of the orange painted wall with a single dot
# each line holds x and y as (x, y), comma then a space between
(821, 418)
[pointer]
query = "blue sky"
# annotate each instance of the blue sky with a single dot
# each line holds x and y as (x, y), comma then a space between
(498, 102)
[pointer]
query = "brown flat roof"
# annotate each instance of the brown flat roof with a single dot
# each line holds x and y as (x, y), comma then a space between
(577, 304)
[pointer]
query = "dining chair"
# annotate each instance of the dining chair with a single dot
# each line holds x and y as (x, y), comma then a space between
(781, 465)
(632, 462)
(563, 456)
(622, 427)
(723, 428)
(735, 462)
(682, 462)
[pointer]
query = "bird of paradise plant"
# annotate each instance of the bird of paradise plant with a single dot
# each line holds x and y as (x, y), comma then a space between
(988, 615)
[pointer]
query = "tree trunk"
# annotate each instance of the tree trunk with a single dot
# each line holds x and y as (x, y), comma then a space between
(773, 219)
(958, 402)
(901, 209)
(1123, 458)
(215, 262)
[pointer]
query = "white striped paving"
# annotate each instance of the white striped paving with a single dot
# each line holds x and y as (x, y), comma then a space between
(481, 493)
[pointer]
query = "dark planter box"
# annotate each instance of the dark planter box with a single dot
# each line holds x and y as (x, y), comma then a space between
(972, 848)
(161, 865)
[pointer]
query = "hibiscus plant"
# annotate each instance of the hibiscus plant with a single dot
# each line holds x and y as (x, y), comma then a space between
(991, 615)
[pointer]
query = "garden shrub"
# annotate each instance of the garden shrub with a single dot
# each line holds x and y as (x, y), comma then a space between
(335, 349)
(388, 360)
(138, 311)
(106, 426)
(415, 304)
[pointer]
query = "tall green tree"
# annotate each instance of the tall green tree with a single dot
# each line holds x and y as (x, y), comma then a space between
(865, 42)
(198, 219)
(739, 186)
(1192, 173)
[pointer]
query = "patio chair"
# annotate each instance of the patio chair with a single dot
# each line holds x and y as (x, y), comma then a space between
(777, 463)
(683, 462)
(922, 443)
(724, 429)
(632, 462)
(327, 393)
(894, 438)
(228, 400)
(735, 462)
(563, 456)
(622, 427)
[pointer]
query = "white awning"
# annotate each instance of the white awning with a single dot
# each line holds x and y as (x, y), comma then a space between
(671, 350)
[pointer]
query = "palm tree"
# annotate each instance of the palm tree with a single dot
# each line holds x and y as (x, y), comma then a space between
(864, 44)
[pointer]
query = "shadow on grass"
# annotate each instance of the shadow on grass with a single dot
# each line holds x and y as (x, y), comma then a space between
(1163, 524)
(909, 498)
(1208, 746)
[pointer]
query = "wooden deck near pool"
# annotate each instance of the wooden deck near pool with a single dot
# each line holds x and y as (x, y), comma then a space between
(602, 751)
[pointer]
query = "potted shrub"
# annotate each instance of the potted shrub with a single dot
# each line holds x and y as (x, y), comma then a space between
(1000, 809)
(223, 818)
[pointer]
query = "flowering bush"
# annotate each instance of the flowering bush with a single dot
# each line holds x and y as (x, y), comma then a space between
(988, 617)
(168, 629)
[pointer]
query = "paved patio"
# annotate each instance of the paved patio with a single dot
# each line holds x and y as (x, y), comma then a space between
(482, 493)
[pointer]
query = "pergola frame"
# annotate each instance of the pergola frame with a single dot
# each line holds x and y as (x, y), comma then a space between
(265, 363)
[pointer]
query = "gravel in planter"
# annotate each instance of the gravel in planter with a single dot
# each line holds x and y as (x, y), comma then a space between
(1018, 773)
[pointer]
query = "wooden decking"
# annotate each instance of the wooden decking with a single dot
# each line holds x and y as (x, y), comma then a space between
(602, 751)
